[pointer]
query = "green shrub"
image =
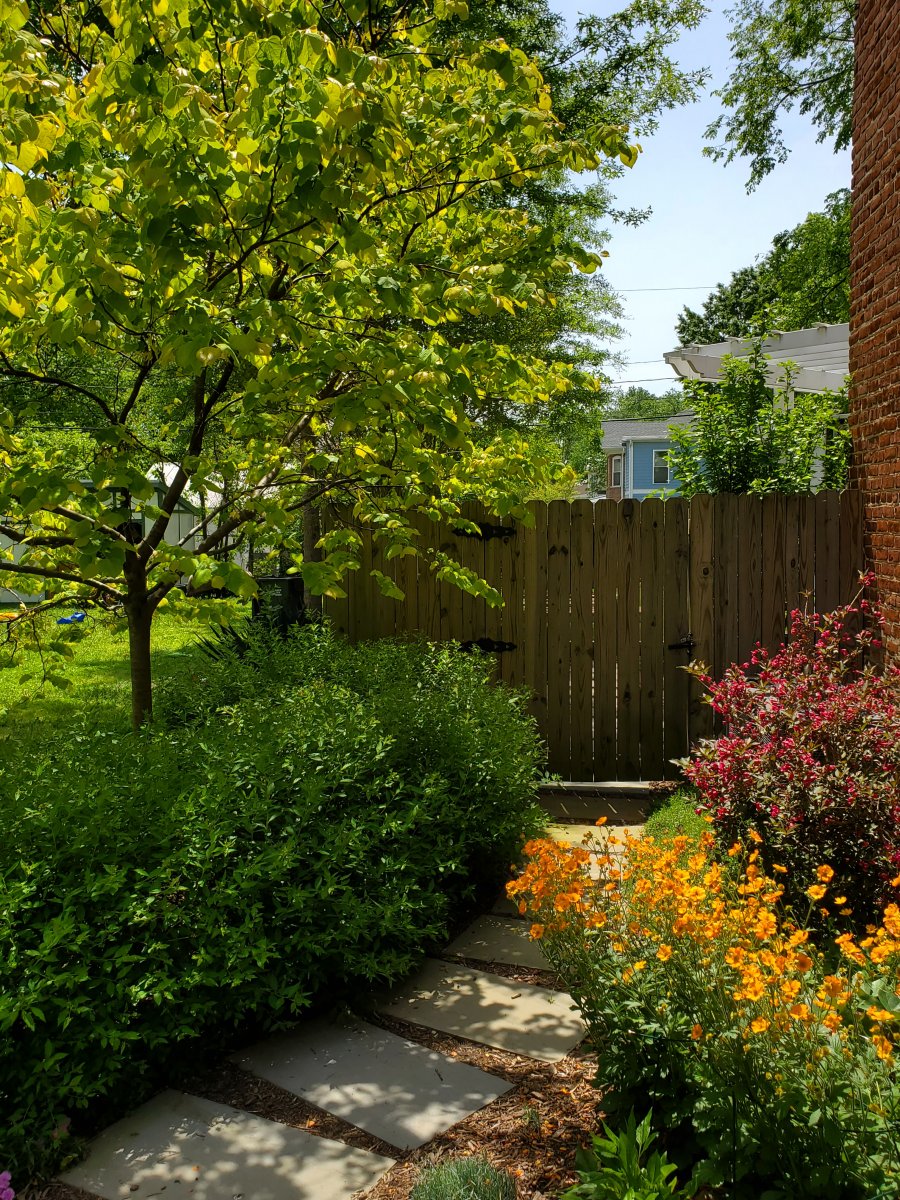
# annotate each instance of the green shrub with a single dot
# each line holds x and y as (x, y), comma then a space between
(676, 815)
(309, 837)
(464, 1179)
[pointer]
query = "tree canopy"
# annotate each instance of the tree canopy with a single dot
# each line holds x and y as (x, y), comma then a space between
(788, 54)
(803, 280)
(261, 223)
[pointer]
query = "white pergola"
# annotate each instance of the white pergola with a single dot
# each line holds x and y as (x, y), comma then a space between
(820, 354)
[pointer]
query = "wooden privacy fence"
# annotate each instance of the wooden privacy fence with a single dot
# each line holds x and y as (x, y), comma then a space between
(606, 602)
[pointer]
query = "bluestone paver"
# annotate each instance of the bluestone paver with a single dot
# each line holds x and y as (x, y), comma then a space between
(533, 1021)
(502, 940)
(387, 1085)
(179, 1145)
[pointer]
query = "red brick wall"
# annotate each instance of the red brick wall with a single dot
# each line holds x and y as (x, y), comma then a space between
(875, 304)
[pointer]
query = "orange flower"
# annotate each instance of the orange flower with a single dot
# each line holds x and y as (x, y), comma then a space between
(816, 892)
(832, 1021)
(800, 1012)
(804, 963)
(883, 1047)
(664, 953)
(824, 874)
(601, 820)
(537, 931)
(760, 1025)
(697, 1033)
(754, 836)
(779, 869)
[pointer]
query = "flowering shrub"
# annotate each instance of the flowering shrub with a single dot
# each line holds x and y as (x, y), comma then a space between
(6, 1192)
(774, 1059)
(811, 756)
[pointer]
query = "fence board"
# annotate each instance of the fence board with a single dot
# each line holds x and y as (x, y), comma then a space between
(628, 637)
(828, 540)
(750, 573)
(536, 658)
(726, 565)
(581, 639)
(605, 580)
(559, 659)
(774, 607)
(512, 662)
(702, 593)
(677, 627)
(652, 646)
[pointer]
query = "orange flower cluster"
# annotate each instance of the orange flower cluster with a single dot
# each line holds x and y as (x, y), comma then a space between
(700, 920)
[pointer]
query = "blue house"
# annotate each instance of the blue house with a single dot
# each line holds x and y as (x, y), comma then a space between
(637, 456)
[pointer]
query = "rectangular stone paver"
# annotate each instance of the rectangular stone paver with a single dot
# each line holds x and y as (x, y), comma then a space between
(502, 940)
(387, 1085)
(486, 1008)
(179, 1145)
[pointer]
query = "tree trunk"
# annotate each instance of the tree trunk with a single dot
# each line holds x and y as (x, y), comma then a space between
(140, 618)
(312, 531)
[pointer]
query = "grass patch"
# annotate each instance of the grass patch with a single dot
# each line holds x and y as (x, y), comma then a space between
(99, 679)
(676, 815)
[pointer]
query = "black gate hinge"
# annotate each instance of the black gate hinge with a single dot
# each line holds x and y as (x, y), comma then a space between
(686, 643)
(488, 531)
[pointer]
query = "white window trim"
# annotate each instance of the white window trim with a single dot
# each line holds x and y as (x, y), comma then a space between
(668, 479)
(616, 462)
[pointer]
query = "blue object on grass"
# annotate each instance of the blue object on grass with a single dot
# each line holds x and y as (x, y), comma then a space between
(74, 618)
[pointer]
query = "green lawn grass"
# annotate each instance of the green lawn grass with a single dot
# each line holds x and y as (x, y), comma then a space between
(99, 681)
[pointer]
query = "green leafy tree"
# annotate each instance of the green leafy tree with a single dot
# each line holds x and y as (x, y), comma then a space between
(804, 279)
(788, 54)
(637, 401)
(747, 436)
(275, 214)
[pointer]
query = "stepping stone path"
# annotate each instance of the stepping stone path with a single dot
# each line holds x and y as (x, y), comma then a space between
(185, 1146)
(389, 1086)
(533, 1021)
(502, 940)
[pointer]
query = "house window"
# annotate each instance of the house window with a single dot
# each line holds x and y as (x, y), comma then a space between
(661, 466)
(617, 470)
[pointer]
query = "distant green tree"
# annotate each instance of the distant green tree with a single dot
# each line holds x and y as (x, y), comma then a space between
(747, 437)
(637, 401)
(788, 54)
(804, 279)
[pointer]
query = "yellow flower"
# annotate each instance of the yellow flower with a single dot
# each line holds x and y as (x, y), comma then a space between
(664, 953)
(840, 900)
(601, 820)
(779, 869)
(832, 1021)
(880, 1014)
(800, 1012)
(804, 963)
(824, 874)
(639, 966)
(760, 1025)
(816, 892)
(537, 931)
(754, 836)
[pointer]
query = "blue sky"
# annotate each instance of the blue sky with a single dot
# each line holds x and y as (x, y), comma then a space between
(704, 224)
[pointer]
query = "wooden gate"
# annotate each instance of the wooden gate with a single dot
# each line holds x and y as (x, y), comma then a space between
(606, 602)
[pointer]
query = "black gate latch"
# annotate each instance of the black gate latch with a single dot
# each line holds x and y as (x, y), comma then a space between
(686, 643)
(488, 645)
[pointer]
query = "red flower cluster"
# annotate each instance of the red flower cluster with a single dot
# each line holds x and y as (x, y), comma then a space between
(810, 756)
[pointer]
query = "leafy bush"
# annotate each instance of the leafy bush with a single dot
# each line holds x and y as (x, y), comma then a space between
(464, 1179)
(676, 814)
(309, 837)
(621, 1166)
(773, 1058)
(811, 758)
